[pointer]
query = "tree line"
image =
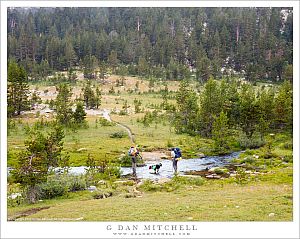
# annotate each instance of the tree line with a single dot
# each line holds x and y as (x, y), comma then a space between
(222, 107)
(167, 43)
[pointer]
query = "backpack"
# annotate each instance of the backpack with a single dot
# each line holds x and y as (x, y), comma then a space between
(177, 152)
(133, 152)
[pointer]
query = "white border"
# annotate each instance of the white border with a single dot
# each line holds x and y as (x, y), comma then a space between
(98, 229)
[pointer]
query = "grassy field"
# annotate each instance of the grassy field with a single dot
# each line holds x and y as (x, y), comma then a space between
(96, 140)
(264, 198)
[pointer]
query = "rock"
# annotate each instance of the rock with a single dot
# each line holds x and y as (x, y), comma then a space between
(163, 180)
(102, 182)
(217, 176)
(248, 171)
(201, 155)
(15, 195)
(120, 182)
(81, 149)
(232, 175)
(271, 214)
(211, 170)
(92, 188)
(209, 176)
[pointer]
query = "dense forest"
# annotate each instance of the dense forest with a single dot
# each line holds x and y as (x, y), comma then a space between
(166, 43)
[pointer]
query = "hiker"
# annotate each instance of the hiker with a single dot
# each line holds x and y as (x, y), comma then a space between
(155, 167)
(176, 155)
(133, 152)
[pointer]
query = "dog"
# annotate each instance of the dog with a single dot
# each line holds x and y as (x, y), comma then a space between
(155, 167)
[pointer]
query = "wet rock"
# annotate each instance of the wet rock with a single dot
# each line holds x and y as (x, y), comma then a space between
(211, 170)
(201, 155)
(92, 188)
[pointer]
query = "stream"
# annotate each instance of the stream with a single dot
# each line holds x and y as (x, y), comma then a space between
(166, 171)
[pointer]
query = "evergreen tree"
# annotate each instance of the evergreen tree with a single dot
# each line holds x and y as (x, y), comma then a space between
(63, 104)
(220, 133)
(17, 90)
(42, 152)
(137, 105)
(79, 114)
(187, 109)
(211, 105)
(249, 110)
(89, 96)
(284, 106)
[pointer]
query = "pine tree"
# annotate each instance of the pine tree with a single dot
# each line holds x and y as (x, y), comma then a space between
(42, 152)
(220, 133)
(63, 104)
(88, 96)
(284, 106)
(211, 105)
(187, 109)
(17, 90)
(79, 114)
(249, 110)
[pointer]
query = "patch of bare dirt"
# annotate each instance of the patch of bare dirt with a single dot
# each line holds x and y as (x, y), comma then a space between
(27, 213)
(155, 155)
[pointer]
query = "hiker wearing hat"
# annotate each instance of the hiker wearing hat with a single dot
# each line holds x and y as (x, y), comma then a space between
(133, 152)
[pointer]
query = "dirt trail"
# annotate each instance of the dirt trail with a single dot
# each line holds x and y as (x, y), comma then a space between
(27, 213)
(106, 115)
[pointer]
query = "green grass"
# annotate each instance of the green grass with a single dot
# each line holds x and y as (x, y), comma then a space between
(213, 201)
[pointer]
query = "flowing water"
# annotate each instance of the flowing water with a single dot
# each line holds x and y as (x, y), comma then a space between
(166, 171)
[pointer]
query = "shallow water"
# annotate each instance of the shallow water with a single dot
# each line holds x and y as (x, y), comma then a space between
(166, 171)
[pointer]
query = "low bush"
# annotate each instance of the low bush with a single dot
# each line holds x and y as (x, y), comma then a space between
(76, 183)
(102, 194)
(126, 161)
(250, 143)
(119, 134)
(52, 188)
(105, 122)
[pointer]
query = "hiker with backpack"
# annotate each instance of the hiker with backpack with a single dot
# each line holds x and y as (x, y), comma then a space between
(133, 152)
(176, 155)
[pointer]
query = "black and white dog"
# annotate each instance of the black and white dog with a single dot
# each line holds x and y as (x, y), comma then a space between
(155, 168)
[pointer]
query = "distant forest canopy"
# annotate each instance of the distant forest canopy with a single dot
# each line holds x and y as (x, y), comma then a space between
(168, 43)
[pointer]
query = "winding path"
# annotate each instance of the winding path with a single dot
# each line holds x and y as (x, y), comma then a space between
(106, 115)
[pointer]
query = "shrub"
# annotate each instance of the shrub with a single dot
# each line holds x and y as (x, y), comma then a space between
(52, 188)
(241, 176)
(119, 134)
(76, 183)
(102, 194)
(251, 143)
(126, 161)
(288, 159)
(105, 122)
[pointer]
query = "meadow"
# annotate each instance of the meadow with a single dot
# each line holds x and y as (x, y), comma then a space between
(265, 197)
